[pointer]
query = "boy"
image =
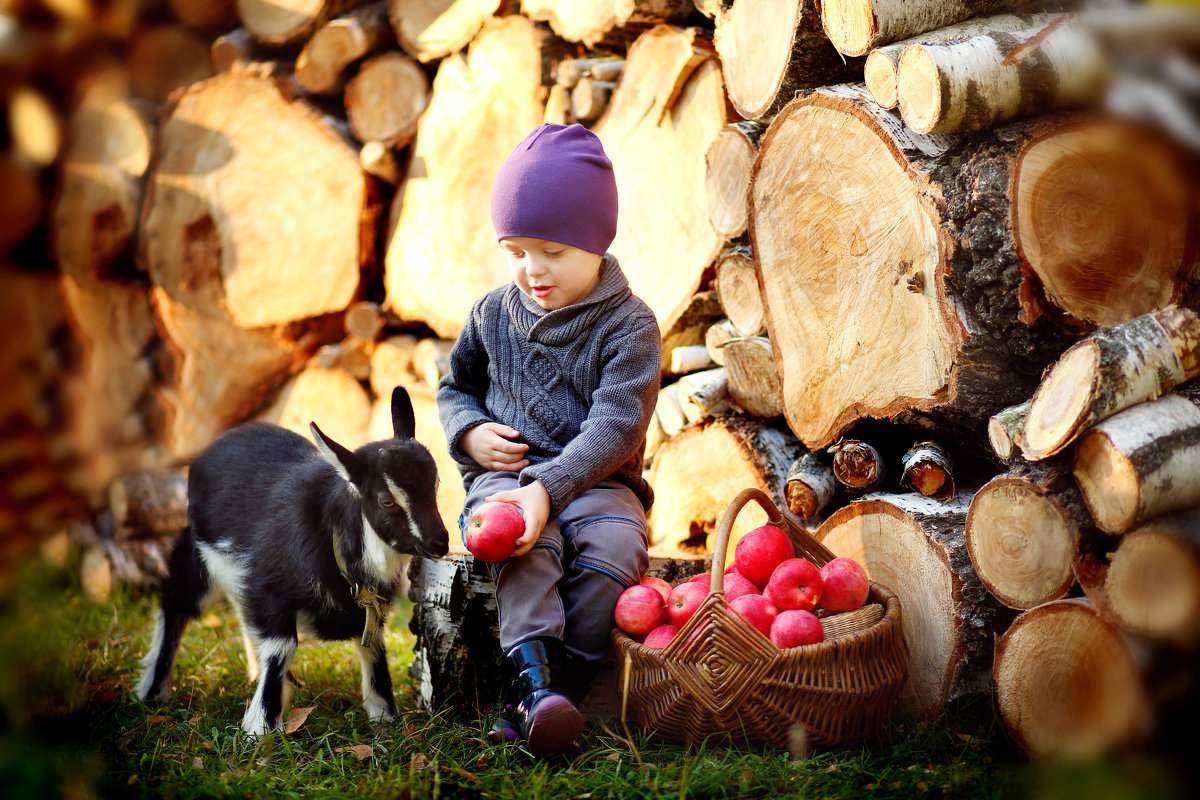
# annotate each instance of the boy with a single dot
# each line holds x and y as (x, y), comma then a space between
(551, 387)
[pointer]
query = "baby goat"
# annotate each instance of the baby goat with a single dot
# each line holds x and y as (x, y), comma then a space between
(299, 537)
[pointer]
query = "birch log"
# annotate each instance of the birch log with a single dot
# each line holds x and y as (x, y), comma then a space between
(727, 180)
(665, 111)
(1152, 582)
(811, 485)
(856, 26)
(879, 68)
(1023, 533)
(990, 78)
(1141, 463)
(857, 466)
(928, 469)
(753, 383)
(737, 288)
(1006, 430)
(321, 65)
(482, 105)
(291, 22)
(430, 31)
(915, 546)
(1111, 370)
(771, 50)
(1068, 683)
(690, 497)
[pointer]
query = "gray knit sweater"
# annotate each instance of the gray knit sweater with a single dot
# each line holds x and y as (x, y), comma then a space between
(580, 383)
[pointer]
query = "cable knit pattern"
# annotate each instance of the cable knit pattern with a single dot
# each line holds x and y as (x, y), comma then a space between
(580, 383)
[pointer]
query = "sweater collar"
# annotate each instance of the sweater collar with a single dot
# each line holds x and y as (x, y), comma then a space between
(564, 324)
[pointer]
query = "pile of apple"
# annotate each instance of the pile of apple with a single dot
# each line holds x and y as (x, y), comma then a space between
(766, 584)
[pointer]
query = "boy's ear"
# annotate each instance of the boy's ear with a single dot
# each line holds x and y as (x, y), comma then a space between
(404, 422)
(339, 457)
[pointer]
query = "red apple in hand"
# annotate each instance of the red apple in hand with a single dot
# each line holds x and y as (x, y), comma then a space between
(685, 599)
(760, 551)
(795, 584)
(795, 627)
(640, 609)
(757, 610)
(660, 636)
(662, 586)
(846, 585)
(493, 531)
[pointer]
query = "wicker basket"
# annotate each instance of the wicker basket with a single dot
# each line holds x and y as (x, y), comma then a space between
(721, 676)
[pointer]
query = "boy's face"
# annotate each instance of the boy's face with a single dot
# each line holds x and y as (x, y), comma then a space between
(554, 275)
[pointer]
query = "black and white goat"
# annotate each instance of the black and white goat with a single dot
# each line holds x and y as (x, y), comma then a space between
(299, 537)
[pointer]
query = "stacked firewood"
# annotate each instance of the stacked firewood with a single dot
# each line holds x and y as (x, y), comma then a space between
(882, 318)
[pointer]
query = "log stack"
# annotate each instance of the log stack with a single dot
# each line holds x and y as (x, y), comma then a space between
(985, 306)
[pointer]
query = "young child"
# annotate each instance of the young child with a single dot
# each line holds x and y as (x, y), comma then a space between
(551, 387)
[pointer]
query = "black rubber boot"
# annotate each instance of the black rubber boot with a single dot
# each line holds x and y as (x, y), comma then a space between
(535, 708)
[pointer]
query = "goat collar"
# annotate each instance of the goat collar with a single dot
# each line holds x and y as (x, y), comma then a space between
(367, 598)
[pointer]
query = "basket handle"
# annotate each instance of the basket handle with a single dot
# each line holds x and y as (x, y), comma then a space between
(801, 539)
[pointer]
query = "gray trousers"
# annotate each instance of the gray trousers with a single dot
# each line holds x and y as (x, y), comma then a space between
(566, 587)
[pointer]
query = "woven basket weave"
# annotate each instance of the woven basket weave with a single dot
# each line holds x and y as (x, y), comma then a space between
(719, 675)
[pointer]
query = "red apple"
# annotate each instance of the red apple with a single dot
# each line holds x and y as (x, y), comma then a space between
(737, 585)
(760, 551)
(795, 627)
(704, 579)
(846, 585)
(493, 531)
(795, 584)
(640, 609)
(685, 599)
(661, 636)
(757, 610)
(662, 586)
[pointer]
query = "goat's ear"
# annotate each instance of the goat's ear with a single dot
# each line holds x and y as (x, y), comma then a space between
(339, 457)
(404, 421)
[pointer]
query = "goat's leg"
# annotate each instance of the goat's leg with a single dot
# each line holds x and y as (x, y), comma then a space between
(378, 699)
(184, 592)
(274, 656)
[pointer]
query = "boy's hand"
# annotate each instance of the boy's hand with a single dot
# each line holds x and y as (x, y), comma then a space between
(534, 502)
(488, 444)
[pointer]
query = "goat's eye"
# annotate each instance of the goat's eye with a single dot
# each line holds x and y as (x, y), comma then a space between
(386, 502)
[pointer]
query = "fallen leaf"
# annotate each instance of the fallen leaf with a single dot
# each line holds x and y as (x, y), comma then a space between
(419, 762)
(134, 780)
(966, 737)
(462, 772)
(198, 762)
(831, 768)
(158, 719)
(363, 751)
(296, 719)
(210, 620)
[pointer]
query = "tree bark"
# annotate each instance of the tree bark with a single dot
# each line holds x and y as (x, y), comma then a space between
(926, 468)
(856, 26)
(1141, 463)
(1023, 534)
(482, 105)
(811, 485)
(894, 215)
(1111, 370)
(737, 288)
(429, 31)
(1006, 431)
(771, 50)
(729, 160)
(915, 546)
(669, 75)
(1068, 683)
(386, 98)
(589, 21)
(879, 69)
(321, 65)
(211, 242)
(690, 497)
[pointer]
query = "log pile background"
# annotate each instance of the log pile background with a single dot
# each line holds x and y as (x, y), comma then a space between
(216, 211)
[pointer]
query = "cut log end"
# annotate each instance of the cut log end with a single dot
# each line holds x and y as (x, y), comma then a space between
(851, 25)
(1067, 683)
(1153, 580)
(919, 89)
(879, 73)
(1061, 401)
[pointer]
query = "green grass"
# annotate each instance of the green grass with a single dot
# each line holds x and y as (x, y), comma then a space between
(70, 727)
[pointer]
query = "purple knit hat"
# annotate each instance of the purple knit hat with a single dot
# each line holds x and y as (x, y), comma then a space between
(557, 185)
